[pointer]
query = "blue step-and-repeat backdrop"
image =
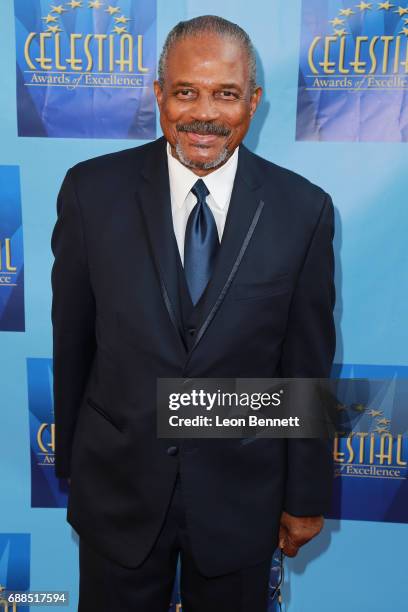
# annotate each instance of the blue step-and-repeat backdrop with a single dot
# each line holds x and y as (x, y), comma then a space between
(76, 82)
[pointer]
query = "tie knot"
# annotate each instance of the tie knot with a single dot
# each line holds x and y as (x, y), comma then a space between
(200, 190)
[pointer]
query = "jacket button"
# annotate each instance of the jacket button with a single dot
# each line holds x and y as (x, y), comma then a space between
(191, 331)
(172, 450)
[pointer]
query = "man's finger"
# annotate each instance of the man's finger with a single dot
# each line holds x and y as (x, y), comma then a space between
(289, 548)
(286, 543)
(282, 536)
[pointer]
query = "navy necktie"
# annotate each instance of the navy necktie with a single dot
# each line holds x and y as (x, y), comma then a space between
(200, 244)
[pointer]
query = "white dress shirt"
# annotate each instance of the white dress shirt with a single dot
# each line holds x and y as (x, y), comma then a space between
(219, 183)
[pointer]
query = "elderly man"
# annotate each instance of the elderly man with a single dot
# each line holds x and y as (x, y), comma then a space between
(188, 257)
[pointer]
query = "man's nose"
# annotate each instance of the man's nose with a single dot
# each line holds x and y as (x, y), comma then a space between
(205, 108)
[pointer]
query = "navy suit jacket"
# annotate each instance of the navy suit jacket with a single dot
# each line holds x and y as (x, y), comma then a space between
(267, 312)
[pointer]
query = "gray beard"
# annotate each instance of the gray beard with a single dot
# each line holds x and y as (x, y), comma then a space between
(201, 165)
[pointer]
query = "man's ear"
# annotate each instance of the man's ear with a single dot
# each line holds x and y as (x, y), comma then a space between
(158, 92)
(255, 100)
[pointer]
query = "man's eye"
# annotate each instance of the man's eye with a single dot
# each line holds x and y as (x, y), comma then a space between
(184, 93)
(227, 94)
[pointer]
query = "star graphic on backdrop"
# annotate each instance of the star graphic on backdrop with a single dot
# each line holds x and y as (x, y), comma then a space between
(401, 11)
(341, 32)
(119, 30)
(404, 31)
(54, 29)
(359, 408)
(406, 20)
(58, 9)
(112, 10)
(383, 421)
(341, 407)
(346, 12)
(50, 19)
(122, 19)
(381, 430)
(374, 413)
(364, 6)
(95, 4)
(74, 4)
(385, 6)
(336, 21)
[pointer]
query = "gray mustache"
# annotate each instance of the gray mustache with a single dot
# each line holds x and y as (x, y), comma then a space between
(201, 127)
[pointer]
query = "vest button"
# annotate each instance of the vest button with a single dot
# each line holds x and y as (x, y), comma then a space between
(172, 450)
(191, 330)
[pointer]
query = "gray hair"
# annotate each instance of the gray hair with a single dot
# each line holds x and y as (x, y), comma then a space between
(210, 24)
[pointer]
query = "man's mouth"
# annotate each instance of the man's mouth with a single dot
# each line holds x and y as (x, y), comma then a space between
(202, 133)
(202, 139)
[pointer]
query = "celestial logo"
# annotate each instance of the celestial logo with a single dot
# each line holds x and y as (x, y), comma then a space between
(47, 491)
(371, 461)
(353, 77)
(86, 68)
(11, 251)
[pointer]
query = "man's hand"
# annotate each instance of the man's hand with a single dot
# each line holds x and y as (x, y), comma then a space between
(295, 531)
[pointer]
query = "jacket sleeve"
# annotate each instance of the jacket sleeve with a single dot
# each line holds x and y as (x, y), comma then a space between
(73, 320)
(308, 352)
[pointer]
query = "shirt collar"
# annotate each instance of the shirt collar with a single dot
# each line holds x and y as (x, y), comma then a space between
(219, 182)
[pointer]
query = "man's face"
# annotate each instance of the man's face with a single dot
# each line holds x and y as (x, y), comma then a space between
(206, 104)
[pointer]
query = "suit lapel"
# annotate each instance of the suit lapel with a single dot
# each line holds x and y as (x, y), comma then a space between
(243, 214)
(155, 202)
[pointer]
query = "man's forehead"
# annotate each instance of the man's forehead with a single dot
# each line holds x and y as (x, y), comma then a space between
(206, 54)
(210, 47)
